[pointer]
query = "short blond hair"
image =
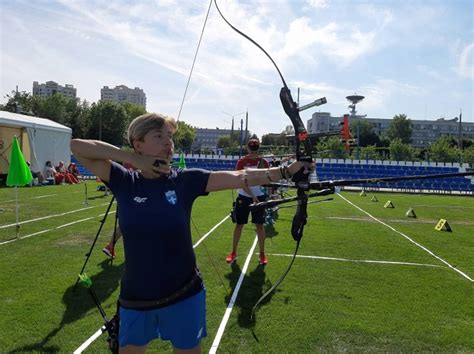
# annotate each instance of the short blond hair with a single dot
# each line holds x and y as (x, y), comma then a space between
(147, 122)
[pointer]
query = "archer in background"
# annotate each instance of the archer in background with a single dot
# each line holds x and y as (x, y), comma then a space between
(162, 294)
(109, 249)
(248, 195)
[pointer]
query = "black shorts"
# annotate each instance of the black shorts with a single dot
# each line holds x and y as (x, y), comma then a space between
(242, 210)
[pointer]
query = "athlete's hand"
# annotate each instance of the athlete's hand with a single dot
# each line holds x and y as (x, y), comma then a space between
(151, 165)
(298, 165)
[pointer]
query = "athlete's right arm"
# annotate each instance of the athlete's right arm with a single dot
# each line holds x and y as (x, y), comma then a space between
(96, 156)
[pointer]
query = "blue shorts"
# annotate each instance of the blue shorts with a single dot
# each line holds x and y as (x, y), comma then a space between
(183, 323)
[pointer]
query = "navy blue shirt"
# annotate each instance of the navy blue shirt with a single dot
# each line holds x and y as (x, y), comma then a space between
(154, 216)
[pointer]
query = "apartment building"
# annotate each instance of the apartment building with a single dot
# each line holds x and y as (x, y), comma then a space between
(208, 138)
(122, 93)
(51, 88)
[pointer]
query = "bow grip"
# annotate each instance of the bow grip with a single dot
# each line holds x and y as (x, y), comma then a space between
(301, 215)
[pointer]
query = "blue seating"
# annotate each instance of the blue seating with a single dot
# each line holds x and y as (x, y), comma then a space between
(356, 171)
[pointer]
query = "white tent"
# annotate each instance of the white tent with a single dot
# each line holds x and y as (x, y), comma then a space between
(41, 139)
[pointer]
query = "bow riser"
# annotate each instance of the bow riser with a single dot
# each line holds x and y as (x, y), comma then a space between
(303, 153)
(301, 216)
(303, 143)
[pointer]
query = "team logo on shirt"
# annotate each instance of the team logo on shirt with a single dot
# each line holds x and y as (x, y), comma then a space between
(171, 197)
(139, 200)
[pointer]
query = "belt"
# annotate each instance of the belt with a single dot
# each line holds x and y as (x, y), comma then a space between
(143, 304)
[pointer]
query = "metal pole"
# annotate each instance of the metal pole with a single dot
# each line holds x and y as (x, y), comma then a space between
(86, 199)
(460, 136)
(17, 227)
(247, 126)
(241, 133)
(358, 147)
(232, 129)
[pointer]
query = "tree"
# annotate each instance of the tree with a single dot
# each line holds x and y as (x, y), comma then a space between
(400, 151)
(330, 147)
(369, 152)
(468, 156)
(18, 102)
(274, 139)
(133, 111)
(107, 120)
(224, 142)
(184, 137)
(367, 135)
(54, 107)
(400, 128)
(443, 151)
(77, 119)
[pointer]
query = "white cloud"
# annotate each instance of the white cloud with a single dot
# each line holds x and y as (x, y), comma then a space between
(465, 67)
(340, 44)
(383, 92)
(318, 4)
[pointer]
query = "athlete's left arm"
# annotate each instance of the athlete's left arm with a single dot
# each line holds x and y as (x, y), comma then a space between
(221, 180)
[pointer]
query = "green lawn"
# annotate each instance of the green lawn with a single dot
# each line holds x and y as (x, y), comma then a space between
(363, 287)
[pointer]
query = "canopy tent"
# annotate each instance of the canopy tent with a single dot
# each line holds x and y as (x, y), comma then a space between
(40, 139)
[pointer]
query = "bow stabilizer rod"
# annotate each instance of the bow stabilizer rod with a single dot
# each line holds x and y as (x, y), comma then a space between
(321, 185)
(350, 182)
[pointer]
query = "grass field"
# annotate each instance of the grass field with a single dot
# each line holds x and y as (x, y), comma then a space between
(368, 279)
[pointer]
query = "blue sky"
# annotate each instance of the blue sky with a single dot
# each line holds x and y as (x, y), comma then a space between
(411, 57)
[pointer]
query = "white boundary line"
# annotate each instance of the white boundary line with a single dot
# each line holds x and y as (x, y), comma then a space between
(409, 239)
(358, 260)
(52, 216)
(54, 228)
(90, 340)
(230, 306)
(38, 197)
(101, 330)
(210, 231)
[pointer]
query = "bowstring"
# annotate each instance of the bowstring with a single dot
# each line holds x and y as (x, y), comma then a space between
(225, 286)
(177, 120)
(194, 61)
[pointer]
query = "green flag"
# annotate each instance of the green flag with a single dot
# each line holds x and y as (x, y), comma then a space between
(19, 173)
(181, 163)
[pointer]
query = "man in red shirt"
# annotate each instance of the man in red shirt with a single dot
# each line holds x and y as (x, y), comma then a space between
(247, 196)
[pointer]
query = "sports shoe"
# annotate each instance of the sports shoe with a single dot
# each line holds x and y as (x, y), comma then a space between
(262, 259)
(109, 251)
(231, 257)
